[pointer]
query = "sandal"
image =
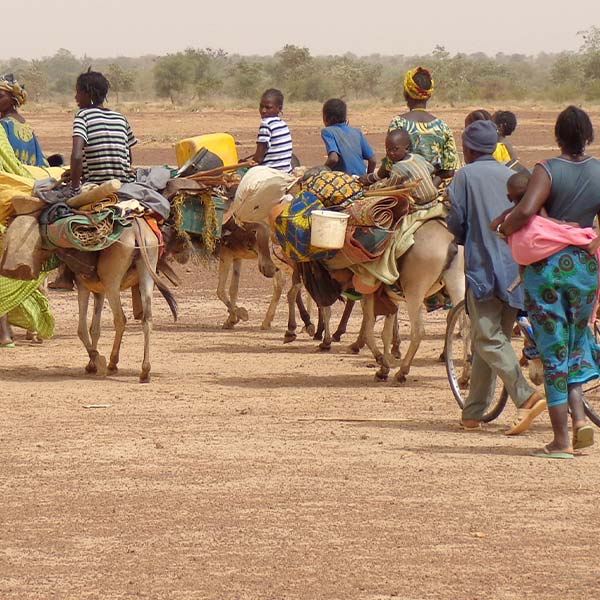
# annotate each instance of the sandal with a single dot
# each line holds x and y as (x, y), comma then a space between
(545, 452)
(583, 437)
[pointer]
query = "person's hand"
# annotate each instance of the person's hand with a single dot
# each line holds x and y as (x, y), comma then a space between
(497, 222)
(364, 180)
(593, 247)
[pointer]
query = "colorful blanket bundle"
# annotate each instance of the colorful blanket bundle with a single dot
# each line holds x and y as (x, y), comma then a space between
(292, 228)
(90, 233)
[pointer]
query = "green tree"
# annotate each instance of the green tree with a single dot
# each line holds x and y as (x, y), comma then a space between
(246, 79)
(35, 80)
(172, 74)
(120, 79)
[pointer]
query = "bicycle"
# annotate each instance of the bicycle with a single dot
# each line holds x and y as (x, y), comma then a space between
(458, 361)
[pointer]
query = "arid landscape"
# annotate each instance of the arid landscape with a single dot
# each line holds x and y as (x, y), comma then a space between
(249, 469)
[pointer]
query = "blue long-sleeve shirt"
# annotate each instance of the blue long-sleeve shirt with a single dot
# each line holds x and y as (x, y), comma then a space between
(478, 196)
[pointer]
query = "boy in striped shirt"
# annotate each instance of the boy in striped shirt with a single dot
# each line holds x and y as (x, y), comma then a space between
(274, 141)
(102, 138)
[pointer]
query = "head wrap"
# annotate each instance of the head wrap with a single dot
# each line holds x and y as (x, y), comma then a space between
(481, 136)
(413, 89)
(9, 84)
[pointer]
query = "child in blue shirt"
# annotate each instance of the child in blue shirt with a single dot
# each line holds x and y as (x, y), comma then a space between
(347, 148)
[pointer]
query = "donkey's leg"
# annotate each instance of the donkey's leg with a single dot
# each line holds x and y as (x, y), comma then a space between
(320, 325)
(304, 311)
(241, 314)
(325, 345)
(290, 334)
(225, 263)
(387, 336)
(146, 286)
(396, 338)
(113, 295)
(278, 283)
(83, 300)
(341, 329)
(414, 303)
(361, 339)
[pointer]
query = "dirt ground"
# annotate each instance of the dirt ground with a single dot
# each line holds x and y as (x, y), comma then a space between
(248, 469)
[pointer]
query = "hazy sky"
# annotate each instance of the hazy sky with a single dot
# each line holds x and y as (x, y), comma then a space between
(105, 28)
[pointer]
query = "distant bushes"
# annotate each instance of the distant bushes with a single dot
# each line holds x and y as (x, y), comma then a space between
(195, 75)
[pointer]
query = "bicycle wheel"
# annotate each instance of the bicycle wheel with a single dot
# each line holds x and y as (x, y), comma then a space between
(457, 349)
(591, 391)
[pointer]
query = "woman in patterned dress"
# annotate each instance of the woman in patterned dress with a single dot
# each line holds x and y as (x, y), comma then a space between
(429, 135)
(561, 290)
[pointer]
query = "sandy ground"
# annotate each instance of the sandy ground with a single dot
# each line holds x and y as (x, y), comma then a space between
(249, 469)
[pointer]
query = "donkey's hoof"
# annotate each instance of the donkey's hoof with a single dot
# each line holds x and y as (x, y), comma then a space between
(309, 329)
(354, 349)
(379, 359)
(400, 378)
(396, 353)
(337, 337)
(112, 369)
(144, 377)
(265, 326)
(91, 368)
(380, 377)
(289, 337)
(324, 347)
(241, 313)
(229, 324)
(442, 357)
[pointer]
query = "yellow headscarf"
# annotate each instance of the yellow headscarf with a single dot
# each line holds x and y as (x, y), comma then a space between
(413, 89)
(9, 84)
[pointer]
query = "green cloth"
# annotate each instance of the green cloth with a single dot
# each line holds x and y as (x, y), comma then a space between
(385, 267)
(60, 233)
(26, 306)
(9, 163)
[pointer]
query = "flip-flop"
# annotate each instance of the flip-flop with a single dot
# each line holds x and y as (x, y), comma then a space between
(545, 452)
(477, 427)
(525, 417)
(583, 437)
(9, 345)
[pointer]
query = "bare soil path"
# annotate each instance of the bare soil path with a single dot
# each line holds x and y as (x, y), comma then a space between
(248, 469)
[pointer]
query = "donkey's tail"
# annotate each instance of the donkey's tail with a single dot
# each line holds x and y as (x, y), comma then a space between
(162, 288)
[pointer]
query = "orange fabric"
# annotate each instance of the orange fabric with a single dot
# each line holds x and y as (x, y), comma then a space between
(152, 222)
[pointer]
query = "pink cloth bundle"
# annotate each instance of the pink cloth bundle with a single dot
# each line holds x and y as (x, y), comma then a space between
(543, 237)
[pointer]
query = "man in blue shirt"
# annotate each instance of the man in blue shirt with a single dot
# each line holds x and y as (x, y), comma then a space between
(478, 195)
(347, 148)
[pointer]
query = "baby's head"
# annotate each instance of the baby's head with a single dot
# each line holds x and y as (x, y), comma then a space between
(334, 112)
(271, 103)
(397, 144)
(516, 186)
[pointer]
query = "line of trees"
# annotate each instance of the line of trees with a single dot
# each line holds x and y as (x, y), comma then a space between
(195, 75)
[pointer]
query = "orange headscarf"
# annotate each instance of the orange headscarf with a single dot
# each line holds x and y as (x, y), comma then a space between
(413, 89)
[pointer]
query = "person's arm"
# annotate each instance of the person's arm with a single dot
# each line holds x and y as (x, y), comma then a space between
(535, 197)
(259, 153)
(367, 153)
(331, 147)
(77, 162)
(457, 217)
(510, 149)
(333, 158)
(449, 162)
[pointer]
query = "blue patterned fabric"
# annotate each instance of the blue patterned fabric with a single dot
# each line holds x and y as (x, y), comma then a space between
(560, 293)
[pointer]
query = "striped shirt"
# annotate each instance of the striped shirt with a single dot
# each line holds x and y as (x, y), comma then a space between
(274, 132)
(414, 168)
(107, 139)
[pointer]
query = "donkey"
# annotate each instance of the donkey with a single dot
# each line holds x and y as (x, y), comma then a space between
(129, 262)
